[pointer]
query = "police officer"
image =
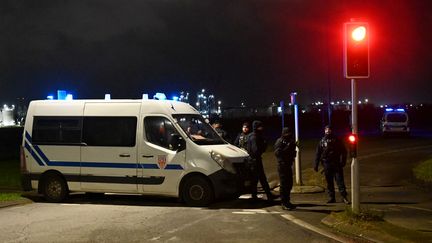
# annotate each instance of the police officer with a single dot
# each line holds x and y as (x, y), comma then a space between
(241, 140)
(256, 146)
(285, 151)
(331, 153)
(217, 125)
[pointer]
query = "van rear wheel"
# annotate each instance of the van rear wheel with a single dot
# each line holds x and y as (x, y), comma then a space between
(197, 192)
(55, 188)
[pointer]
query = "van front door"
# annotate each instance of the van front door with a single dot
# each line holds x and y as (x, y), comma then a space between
(161, 162)
(109, 151)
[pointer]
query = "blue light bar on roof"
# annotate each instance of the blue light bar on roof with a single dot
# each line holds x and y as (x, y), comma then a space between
(159, 96)
(61, 94)
(400, 109)
(389, 109)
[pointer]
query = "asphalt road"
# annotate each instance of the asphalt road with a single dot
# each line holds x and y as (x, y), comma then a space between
(127, 218)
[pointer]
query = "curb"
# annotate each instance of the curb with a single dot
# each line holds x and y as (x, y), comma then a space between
(15, 203)
(307, 189)
(331, 222)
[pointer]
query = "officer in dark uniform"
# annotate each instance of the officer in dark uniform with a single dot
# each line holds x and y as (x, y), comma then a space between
(241, 140)
(332, 154)
(256, 146)
(285, 151)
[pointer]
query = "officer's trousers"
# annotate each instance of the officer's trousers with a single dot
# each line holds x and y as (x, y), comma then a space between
(332, 173)
(259, 175)
(286, 180)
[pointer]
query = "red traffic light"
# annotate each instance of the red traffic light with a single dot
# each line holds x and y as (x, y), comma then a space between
(359, 33)
(356, 50)
(352, 138)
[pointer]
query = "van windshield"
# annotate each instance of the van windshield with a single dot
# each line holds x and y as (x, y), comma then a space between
(401, 117)
(198, 129)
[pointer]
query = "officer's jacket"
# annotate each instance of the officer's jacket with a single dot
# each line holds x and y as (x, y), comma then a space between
(331, 151)
(285, 149)
(256, 145)
(241, 140)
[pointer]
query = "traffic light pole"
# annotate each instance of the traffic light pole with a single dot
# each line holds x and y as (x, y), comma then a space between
(355, 180)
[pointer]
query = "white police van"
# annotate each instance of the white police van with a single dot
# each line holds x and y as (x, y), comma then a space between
(153, 147)
(395, 121)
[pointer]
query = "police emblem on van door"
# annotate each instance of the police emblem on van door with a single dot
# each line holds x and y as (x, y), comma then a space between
(162, 161)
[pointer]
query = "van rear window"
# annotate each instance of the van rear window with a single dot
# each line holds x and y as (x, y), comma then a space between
(56, 130)
(109, 131)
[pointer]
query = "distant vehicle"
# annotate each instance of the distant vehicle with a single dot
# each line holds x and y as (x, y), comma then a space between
(153, 147)
(395, 121)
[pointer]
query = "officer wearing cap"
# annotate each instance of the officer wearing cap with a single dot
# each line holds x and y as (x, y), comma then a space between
(332, 154)
(285, 151)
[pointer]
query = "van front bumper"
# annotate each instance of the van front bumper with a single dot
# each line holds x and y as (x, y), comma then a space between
(227, 184)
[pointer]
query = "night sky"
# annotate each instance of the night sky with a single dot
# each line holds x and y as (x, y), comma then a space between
(255, 52)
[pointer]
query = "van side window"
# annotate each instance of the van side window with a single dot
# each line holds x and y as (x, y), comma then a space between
(109, 131)
(159, 131)
(56, 130)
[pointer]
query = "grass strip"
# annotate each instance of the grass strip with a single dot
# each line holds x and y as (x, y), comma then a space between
(423, 171)
(10, 174)
(10, 196)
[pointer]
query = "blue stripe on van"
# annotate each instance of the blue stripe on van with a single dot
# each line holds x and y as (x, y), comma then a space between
(27, 135)
(33, 154)
(89, 164)
(41, 154)
(173, 167)
(149, 166)
(110, 165)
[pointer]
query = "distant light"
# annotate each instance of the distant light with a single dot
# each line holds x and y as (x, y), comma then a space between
(219, 102)
(50, 97)
(359, 102)
(349, 102)
(61, 94)
(381, 106)
(159, 96)
(303, 111)
(69, 97)
(197, 104)
(107, 96)
(203, 90)
(332, 103)
(279, 109)
(175, 98)
(389, 109)
(366, 100)
(400, 109)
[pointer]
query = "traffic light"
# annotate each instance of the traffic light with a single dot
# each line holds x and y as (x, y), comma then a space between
(356, 50)
(352, 143)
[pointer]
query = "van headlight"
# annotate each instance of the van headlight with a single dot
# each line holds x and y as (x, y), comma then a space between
(222, 161)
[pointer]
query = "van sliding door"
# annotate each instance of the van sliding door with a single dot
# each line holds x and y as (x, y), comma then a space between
(109, 155)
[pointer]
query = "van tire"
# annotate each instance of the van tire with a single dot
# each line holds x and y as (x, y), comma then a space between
(55, 188)
(197, 192)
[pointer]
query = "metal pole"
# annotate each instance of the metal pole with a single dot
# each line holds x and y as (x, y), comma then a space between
(355, 180)
(282, 105)
(296, 125)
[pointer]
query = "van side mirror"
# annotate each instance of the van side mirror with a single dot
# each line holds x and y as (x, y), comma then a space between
(178, 142)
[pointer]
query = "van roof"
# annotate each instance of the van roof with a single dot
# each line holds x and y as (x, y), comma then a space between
(72, 106)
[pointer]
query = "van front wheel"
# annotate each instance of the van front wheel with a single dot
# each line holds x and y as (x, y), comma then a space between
(197, 192)
(55, 188)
